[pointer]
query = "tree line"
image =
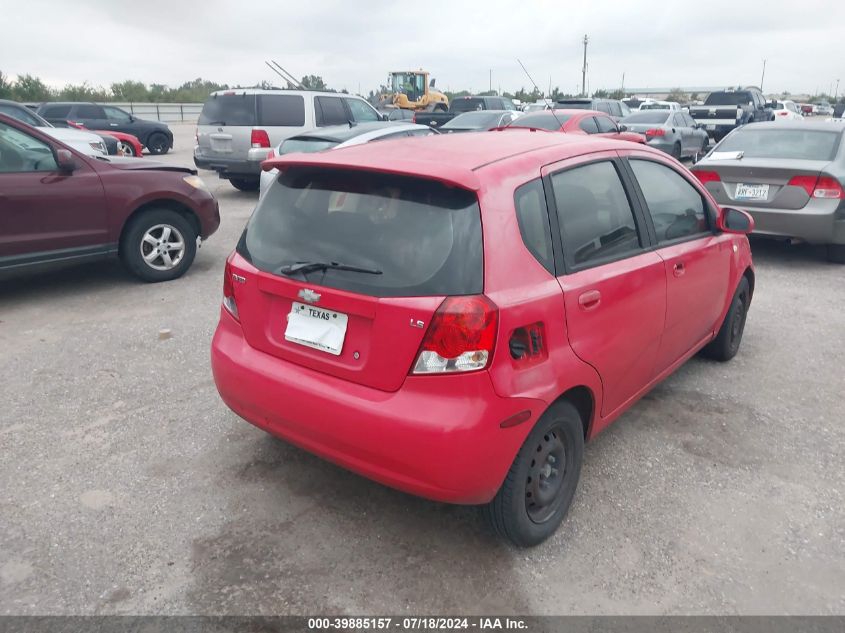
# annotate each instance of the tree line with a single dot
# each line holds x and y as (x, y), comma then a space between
(30, 88)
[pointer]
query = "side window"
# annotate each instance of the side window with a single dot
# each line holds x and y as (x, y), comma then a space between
(330, 111)
(602, 106)
(281, 110)
(689, 121)
(116, 114)
(20, 114)
(361, 111)
(605, 124)
(676, 207)
(90, 111)
(679, 121)
(56, 112)
(20, 152)
(615, 108)
(596, 220)
(533, 218)
(588, 124)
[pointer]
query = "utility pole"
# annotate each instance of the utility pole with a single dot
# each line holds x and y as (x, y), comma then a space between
(622, 90)
(491, 80)
(764, 75)
(836, 94)
(584, 69)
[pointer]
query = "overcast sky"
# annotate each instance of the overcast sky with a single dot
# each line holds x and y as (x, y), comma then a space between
(355, 43)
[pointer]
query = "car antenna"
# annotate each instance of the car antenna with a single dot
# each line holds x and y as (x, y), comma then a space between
(281, 72)
(549, 101)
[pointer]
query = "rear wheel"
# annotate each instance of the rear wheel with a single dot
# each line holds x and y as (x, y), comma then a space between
(836, 253)
(126, 148)
(676, 151)
(541, 482)
(158, 143)
(245, 184)
(158, 245)
(726, 344)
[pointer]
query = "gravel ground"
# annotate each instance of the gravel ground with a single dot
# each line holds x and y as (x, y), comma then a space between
(128, 487)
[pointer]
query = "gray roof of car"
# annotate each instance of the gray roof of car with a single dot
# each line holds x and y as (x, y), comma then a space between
(341, 133)
(825, 126)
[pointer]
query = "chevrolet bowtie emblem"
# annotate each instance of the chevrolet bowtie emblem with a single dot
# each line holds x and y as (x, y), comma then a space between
(306, 294)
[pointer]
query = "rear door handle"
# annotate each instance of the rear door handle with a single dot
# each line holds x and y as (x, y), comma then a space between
(678, 269)
(590, 300)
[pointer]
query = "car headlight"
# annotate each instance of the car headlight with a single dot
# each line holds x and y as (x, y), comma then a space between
(99, 146)
(196, 182)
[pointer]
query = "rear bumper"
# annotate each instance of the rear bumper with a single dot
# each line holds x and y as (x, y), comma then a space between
(662, 145)
(822, 226)
(230, 167)
(442, 445)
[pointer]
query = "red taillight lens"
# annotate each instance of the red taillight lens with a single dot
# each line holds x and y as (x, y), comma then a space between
(259, 138)
(828, 187)
(461, 336)
(414, 118)
(271, 154)
(657, 131)
(706, 176)
(818, 186)
(229, 291)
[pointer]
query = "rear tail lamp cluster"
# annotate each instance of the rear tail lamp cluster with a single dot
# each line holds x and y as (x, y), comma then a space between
(706, 176)
(657, 131)
(460, 338)
(819, 187)
(259, 138)
(229, 291)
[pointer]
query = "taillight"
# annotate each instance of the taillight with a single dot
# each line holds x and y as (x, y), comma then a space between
(818, 187)
(414, 118)
(657, 131)
(706, 176)
(229, 291)
(828, 187)
(783, 113)
(271, 154)
(259, 138)
(461, 336)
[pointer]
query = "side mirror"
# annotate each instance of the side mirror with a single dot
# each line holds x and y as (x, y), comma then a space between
(384, 116)
(132, 118)
(734, 221)
(65, 160)
(623, 127)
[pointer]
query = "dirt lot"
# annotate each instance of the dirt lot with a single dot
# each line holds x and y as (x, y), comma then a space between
(128, 487)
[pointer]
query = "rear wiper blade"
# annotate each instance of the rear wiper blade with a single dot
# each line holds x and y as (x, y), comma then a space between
(306, 267)
(215, 123)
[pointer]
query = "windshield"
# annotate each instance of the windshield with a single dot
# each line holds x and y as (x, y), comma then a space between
(542, 121)
(773, 143)
(576, 105)
(411, 84)
(425, 237)
(475, 120)
(647, 117)
(305, 145)
(655, 106)
(228, 110)
(728, 98)
(23, 115)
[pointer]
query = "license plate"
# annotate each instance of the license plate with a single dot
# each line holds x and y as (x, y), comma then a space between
(751, 192)
(221, 145)
(711, 127)
(316, 327)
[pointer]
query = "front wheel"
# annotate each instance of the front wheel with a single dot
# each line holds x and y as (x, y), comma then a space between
(726, 344)
(676, 151)
(158, 245)
(700, 152)
(126, 148)
(158, 143)
(541, 482)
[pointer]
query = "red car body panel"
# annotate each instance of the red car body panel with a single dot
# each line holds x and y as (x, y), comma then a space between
(49, 211)
(442, 436)
(120, 136)
(572, 125)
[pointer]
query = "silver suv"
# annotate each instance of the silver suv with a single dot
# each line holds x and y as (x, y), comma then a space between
(237, 128)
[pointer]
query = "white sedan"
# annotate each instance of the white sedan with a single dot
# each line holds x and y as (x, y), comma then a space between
(786, 110)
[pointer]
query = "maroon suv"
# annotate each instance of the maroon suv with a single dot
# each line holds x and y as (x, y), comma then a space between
(59, 206)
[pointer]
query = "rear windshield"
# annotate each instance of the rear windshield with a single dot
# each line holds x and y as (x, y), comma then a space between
(542, 121)
(728, 98)
(773, 143)
(423, 236)
(467, 105)
(306, 145)
(576, 105)
(229, 110)
(655, 116)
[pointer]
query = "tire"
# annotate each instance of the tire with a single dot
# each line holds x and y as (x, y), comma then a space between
(676, 151)
(245, 184)
(158, 143)
(726, 344)
(147, 233)
(126, 148)
(514, 513)
(836, 253)
(700, 152)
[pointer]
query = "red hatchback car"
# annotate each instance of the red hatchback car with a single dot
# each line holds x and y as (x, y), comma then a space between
(457, 328)
(578, 122)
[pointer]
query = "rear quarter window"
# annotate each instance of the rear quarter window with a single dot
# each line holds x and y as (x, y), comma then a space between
(423, 236)
(533, 218)
(56, 112)
(227, 110)
(281, 110)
